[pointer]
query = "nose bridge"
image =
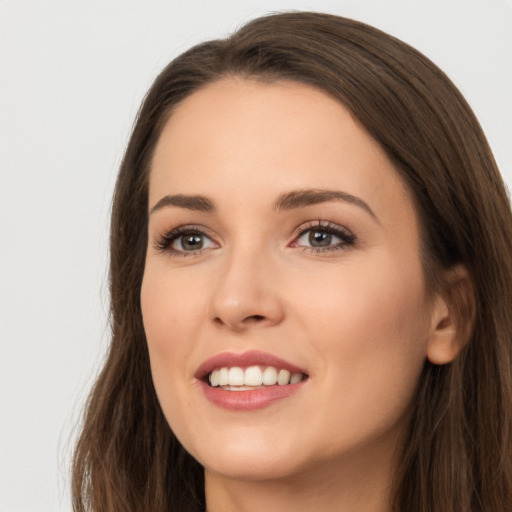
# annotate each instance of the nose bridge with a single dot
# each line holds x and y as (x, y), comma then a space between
(245, 294)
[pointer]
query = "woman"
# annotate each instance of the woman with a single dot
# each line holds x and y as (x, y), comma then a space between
(311, 278)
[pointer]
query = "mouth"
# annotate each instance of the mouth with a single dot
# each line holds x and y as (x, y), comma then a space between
(251, 380)
(236, 378)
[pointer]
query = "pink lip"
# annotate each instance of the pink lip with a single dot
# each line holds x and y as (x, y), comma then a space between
(249, 400)
(246, 400)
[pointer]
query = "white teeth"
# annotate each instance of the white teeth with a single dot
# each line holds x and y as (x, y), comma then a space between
(237, 378)
(296, 377)
(214, 378)
(253, 376)
(223, 377)
(269, 376)
(283, 378)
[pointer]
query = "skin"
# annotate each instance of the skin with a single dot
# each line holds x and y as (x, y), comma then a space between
(357, 317)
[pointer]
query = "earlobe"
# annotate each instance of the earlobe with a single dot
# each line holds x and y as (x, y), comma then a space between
(452, 317)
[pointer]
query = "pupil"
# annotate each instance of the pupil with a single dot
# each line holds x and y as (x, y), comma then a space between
(320, 239)
(192, 242)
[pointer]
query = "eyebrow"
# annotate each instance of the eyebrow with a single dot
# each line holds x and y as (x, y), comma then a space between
(197, 203)
(307, 197)
(287, 201)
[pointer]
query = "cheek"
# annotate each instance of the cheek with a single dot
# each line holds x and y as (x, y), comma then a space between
(171, 306)
(381, 305)
(371, 334)
(171, 323)
(171, 315)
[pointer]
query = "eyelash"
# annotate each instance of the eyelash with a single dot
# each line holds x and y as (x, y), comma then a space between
(348, 239)
(164, 243)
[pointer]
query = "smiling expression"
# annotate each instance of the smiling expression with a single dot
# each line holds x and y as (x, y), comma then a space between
(282, 237)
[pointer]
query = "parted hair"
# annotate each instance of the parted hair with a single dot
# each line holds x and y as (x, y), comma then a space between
(458, 451)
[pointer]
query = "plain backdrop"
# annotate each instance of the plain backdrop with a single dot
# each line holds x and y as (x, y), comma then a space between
(72, 75)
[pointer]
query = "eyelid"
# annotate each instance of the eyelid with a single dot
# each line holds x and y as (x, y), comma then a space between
(326, 225)
(163, 242)
(347, 237)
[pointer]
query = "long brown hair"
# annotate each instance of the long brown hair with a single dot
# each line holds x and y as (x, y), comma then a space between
(458, 455)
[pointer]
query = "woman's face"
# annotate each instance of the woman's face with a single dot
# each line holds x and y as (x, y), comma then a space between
(281, 237)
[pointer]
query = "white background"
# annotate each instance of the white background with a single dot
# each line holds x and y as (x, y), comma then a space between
(72, 74)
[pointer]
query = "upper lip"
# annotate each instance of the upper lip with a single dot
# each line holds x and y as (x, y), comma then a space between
(245, 359)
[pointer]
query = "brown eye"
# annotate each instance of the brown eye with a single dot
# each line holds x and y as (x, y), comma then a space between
(319, 238)
(185, 241)
(189, 242)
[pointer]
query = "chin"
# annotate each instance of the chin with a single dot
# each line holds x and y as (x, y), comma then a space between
(244, 459)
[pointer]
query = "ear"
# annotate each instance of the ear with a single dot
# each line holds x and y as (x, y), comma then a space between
(453, 316)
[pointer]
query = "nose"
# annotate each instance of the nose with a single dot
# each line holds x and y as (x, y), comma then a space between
(246, 295)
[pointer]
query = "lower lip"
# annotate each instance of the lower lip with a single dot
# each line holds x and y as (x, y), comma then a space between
(249, 400)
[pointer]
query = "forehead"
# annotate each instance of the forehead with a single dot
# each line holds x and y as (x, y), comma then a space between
(239, 135)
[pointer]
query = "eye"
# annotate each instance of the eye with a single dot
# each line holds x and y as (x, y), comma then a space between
(317, 238)
(184, 241)
(323, 236)
(191, 242)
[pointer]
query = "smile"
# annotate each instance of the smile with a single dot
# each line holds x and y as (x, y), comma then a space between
(253, 377)
(248, 381)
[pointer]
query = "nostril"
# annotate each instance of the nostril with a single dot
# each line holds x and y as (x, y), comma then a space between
(241, 322)
(255, 318)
